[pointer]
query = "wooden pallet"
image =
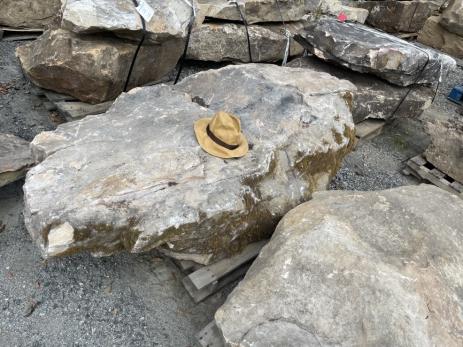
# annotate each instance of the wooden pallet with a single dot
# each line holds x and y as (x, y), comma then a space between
(423, 170)
(19, 34)
(210, 336)
(203, 281)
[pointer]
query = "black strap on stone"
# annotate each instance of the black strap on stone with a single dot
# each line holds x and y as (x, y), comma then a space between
(245, 22)
(143, 23)
(219, 141)
(185, 51)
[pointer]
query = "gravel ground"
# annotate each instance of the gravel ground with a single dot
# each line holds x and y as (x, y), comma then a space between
(134, 300)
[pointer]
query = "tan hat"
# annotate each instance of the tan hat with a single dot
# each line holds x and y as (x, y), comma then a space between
(221, 136)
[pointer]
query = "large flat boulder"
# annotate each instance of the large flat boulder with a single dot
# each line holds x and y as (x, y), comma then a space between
(29, 13)
(170, 19)
(396, 16)
(375, 98)
(254, 11)
(452, 17)
(436, 36)
(380, 268)
(94, 68)
(135, 178)
(15, 158)
(446, 148)
(228, 42)
(367, 50)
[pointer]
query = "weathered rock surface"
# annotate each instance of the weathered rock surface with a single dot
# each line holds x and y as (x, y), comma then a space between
(378, 268)
(94, 68)
(374, 97)
(434, 35)
(136, 179)
(228, 42)
(170, 20)
(255, 11)
(452, 17)
(29, 13)
(15, 158)
(446, 148)
(396, 16)
(335, 7)
(364, 49)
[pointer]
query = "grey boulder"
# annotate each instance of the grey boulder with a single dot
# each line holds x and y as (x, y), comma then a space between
(435, 35)
(15, 158)
(228, 42)
(380, 268)
(136, 179)
(446, 148)
(374, 97)
(452, 17)
(29, 13)
(334, 8)
(170, 19)
(94, 68)
(367, 50)
(254, 11)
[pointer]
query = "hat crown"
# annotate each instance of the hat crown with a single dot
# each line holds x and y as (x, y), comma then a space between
(226, 128)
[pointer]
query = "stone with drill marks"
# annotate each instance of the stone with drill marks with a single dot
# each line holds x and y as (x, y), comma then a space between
(367, 50)
(228, 42)
(254, 11)
(94, 68)
(380, 268)
(15, 158)
(135, 178)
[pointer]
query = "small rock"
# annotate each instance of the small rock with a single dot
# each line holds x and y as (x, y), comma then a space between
(452, 17)
(15, 158)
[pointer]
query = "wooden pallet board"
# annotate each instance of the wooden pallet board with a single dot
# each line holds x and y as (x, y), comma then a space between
(420, 168)
(209, 279)
(19, 34)
(210, 336)
(369, 128)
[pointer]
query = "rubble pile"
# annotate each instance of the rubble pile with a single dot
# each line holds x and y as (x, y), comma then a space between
(445, 32)
(150, 185)
(355, 268)
(408, 73)
(90, 56)
(396, 16)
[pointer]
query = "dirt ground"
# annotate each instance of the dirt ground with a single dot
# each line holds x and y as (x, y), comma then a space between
(132, 300)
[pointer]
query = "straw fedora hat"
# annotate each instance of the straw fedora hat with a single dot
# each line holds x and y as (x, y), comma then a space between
(221, 136)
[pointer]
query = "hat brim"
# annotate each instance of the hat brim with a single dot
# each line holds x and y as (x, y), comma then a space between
(215, 149)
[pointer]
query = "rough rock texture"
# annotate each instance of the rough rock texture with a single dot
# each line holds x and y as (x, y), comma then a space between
(380, 268)
(170, 20)
(374, 97)
(15, 158)
(94, 68)
(228, 42)
(446, 148)
(364, 49)
(335, 7)
(135, 178)
(452, 17)
(396, 16)
(255, 11)
(434, 35)
(29, 13)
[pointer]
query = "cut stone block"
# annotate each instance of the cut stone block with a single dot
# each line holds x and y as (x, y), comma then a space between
(367, 50)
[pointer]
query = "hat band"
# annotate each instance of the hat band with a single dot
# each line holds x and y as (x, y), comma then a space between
(219, 141)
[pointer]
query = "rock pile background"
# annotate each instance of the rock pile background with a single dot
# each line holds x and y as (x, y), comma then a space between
(445, 31)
